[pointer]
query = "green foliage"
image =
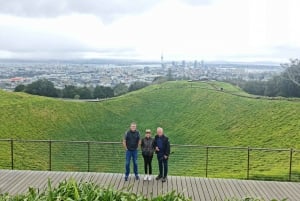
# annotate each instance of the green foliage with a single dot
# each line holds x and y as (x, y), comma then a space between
(287, 84)
(120, 89)
(86, 191)
(159, 80)
(42, 87)
(137, 85)
(103, 92)
(20, 88)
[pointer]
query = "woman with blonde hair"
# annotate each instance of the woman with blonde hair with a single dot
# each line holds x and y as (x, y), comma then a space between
(147, 152)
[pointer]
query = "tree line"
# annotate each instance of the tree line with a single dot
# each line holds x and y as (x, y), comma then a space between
(44, 87)
(286, 84)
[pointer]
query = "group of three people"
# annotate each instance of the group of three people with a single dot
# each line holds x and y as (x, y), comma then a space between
(159, 144)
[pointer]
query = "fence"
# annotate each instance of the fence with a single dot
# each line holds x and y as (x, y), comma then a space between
(185, 160)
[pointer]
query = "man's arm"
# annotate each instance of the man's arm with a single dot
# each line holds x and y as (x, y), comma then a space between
(168, 149)
(124, 141)
(124, 144)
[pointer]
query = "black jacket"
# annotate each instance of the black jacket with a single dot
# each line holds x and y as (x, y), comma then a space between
(166, 144)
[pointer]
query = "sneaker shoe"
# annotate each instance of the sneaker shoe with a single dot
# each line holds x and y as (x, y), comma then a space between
(146, 177)
(137, 177)
(149, 178)
(126, 178)
(164, 179)
(158, 177)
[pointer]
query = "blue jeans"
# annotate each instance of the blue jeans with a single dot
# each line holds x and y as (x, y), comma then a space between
(133, 155)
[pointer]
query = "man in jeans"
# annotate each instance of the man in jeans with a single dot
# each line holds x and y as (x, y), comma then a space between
(162, 149)
(131, 142)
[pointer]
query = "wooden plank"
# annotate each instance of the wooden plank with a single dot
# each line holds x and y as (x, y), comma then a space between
(212, 189)
(245, 192)
(169, 187)
(235, 188)
(202, 182)
(19, 186)
(190, 187)
(274, 191)
(198, 188)
(220, 193)
(250, 188)
(258, 189)
(200, 195)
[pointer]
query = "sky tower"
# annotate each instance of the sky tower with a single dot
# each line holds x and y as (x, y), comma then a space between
(162, 60)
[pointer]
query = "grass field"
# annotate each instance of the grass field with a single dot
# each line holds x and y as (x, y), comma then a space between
(190, 113)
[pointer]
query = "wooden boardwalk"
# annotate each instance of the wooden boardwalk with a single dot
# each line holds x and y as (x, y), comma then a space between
(17, 181)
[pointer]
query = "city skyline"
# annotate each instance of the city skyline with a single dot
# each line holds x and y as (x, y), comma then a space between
(224, 30)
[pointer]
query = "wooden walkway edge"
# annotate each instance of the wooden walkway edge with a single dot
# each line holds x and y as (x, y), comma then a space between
(18, 181)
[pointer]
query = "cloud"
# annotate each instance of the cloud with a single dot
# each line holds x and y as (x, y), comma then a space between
(20, 39)
(25, 43)
(106, 10)
(198, 2)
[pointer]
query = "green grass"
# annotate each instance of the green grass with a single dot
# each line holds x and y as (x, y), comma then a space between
(190, 113)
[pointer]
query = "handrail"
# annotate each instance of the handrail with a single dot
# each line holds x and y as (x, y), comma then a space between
(84, 155)
(175, 145)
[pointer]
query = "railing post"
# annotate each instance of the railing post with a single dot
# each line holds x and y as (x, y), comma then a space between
(206, 163)
(12, 153)
(89, 155)
(50, 155)
(291, 163)
(248, 163)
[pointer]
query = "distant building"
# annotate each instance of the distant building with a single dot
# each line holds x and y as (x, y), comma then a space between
(195, 64)
(146, 70)
(183, 63)
(162, 60)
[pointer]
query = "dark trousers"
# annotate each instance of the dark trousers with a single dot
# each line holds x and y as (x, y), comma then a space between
(148, 164)
(163, 166)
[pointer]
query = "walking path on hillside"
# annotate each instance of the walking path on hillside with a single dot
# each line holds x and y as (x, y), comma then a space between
(18, 181)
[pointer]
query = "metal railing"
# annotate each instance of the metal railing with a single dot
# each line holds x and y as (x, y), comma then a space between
(185, 160)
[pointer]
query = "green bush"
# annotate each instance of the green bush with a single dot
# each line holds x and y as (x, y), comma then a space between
(86, 191)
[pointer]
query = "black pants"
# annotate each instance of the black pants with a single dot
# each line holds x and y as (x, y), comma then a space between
(163, 166)
(148, 164)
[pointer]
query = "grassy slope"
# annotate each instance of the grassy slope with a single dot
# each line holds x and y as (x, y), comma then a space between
(189, 115)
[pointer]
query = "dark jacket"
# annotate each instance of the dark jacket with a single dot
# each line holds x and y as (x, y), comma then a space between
(132, 139)
(165, 144)
(147, 146)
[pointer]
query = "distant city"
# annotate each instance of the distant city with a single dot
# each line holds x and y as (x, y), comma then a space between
(111, 73)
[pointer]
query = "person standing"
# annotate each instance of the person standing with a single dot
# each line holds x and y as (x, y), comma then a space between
(162, 149)
(131, 142)
(147, 152)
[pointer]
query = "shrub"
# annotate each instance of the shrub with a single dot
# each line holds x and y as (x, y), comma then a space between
(72, 190)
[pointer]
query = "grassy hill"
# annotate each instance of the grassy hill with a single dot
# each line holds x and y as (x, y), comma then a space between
(190, 113)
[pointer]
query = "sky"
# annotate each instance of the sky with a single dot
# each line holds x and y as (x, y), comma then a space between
(209, 30)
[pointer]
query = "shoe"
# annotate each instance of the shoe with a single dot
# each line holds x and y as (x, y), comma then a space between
(158, 177)
(126, 178)
(149, 178)
(146, 177)
(137, 177)
(164, 179)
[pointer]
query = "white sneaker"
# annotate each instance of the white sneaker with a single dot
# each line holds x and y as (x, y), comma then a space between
(146, 178)
(149, 178)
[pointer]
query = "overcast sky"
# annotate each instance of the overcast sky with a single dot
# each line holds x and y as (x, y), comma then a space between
(232, 30)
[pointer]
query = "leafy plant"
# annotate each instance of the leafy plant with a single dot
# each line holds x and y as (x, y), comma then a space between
(86, 191)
